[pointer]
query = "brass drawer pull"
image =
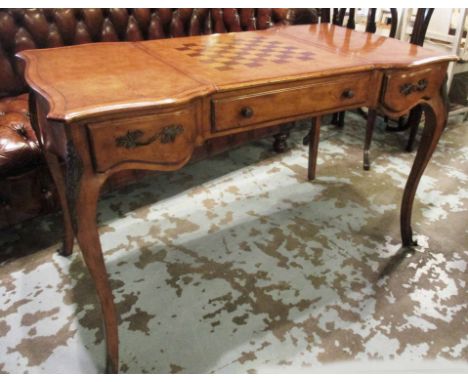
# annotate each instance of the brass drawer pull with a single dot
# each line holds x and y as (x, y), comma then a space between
(421, 85)
(408, 88)
(348, 93)
(247, 112)
(167, 134)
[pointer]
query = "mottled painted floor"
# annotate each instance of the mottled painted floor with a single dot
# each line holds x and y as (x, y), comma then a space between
(238, 264)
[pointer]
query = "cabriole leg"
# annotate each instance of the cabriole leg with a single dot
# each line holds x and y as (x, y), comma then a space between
(436, 117)
(88, 239)
(83, 188)
(57, 175)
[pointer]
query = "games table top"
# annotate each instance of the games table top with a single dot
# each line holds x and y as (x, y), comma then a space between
(76, 80)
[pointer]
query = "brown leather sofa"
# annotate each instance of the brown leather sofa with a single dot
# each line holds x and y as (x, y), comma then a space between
(26, 189)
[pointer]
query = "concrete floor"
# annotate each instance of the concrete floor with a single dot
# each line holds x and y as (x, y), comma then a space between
(238, 264)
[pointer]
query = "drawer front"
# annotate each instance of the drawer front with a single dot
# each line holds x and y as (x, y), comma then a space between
(165, 138)
(405, 88)
(231, 112)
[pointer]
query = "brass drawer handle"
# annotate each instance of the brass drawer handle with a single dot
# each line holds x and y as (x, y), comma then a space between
(348, 93)
(166, 135)
(247, 112)
(421, 85)
(407, 88)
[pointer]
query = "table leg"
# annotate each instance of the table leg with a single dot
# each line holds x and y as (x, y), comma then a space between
(57, 175)
(88, 239)
(436, 118)
(314, 137)
(83, 189)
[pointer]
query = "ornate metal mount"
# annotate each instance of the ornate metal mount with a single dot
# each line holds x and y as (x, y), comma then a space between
(407, 88)
(131, 140)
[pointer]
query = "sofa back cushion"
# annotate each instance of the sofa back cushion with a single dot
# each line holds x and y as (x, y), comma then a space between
(22, 29)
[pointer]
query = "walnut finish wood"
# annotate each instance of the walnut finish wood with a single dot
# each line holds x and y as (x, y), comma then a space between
(150, 105)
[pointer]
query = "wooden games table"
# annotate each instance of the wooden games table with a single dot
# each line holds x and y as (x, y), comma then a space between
(103, 108)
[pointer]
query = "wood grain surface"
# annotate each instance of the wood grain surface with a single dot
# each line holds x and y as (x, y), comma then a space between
(92, 79)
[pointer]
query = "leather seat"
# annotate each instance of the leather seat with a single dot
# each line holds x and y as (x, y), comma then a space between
(19, 149)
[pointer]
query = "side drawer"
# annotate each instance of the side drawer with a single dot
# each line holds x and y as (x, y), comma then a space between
(404, 88)
(165, 138)
(239, 110)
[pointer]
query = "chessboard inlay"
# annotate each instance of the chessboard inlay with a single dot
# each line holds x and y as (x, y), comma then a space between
(251, 52)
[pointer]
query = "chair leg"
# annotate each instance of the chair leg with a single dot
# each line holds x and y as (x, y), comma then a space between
(361, 112)
(314, 137)
(402, 126)
(341, 116)
(306, 139)
(413, 123)
(369, 132)
(280, 144)
(335, 118)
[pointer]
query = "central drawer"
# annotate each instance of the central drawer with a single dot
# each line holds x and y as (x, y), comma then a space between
(165, 138)
(239, 110)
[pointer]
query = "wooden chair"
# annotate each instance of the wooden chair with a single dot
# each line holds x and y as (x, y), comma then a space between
(338, 18)
(371, 27)
(421, 23)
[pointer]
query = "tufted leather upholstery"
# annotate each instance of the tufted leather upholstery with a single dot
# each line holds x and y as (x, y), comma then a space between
(21, 162)
(18, 144)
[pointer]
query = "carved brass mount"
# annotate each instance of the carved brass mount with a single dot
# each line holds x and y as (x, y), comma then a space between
(166, 135)
(407, 88)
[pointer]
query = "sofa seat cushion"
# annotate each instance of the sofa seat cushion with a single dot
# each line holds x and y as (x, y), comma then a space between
(19, 149)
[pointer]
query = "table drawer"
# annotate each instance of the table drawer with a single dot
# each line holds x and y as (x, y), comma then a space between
(404, 88)
(239, 110)
(165, 138)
